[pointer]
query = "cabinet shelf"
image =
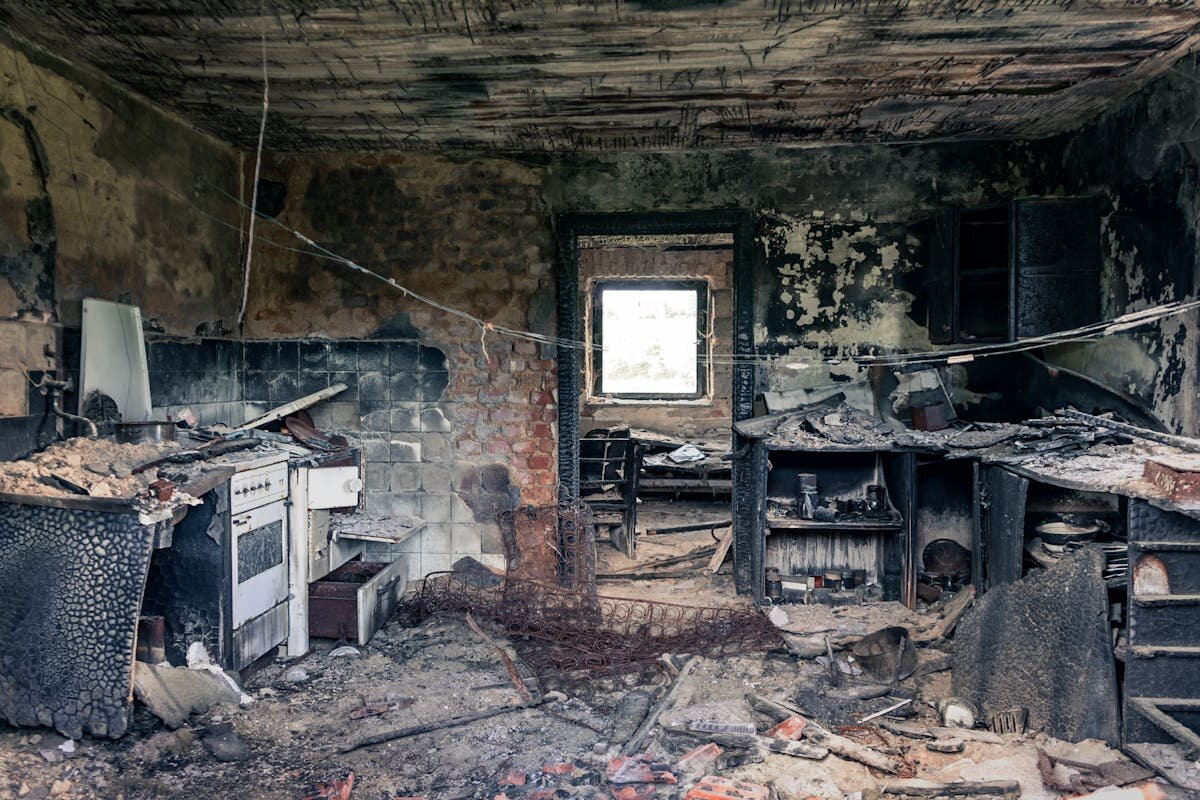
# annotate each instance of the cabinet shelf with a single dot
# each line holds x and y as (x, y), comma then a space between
(868, 526)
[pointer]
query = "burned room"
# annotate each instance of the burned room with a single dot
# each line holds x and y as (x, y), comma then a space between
(697, 399)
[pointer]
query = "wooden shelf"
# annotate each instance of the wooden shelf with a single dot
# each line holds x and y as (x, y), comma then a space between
(794, 523)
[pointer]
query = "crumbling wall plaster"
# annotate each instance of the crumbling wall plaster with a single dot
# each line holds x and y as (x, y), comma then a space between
(101, 195)
(1143, 157)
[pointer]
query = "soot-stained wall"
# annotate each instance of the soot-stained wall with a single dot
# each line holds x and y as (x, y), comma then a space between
(471, 432)
(841, 235)
(105, 195)
(1143, 158)
(101, 195)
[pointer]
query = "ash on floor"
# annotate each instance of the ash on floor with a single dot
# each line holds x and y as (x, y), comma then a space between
(307, 710)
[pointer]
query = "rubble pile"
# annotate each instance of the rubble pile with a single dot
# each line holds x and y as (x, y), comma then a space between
(433, 711)
(102, 467)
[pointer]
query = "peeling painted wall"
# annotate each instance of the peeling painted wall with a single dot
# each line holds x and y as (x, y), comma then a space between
(1143, 157)
(470, 429)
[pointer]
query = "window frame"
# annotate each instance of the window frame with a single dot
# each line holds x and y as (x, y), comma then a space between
(703, 337)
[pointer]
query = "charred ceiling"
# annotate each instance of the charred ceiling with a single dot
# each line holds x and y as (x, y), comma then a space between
(653, 74)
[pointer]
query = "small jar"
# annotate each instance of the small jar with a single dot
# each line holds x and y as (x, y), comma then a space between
(774, 585)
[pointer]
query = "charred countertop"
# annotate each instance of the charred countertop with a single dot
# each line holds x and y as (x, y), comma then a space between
(1071, 453)
(103, 475)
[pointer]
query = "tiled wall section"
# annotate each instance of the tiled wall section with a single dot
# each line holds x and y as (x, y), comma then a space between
(396, 403)
(200, 374)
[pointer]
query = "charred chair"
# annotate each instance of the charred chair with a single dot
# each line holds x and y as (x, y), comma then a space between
(609, 462)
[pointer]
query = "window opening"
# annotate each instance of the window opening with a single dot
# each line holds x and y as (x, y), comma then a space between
(652, 337)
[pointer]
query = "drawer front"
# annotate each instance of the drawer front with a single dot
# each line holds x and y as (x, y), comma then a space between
(333, 487)
(254, 487)
(378, 597)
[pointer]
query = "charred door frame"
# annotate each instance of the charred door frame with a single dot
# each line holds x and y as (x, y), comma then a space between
(569, 227)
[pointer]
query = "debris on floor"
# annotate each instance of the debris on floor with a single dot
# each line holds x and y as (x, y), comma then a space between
(298, 740)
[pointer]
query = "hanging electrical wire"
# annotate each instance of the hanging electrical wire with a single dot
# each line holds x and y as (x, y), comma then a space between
(262, 130)
(947, 355)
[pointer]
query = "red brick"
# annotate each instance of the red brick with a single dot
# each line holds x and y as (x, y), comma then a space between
(541, 398)
(547, 445)
(633, 792)
(542, 431)
(539, 462)
(699, 757)
(637, 769)
(498, 447)
(791, 728)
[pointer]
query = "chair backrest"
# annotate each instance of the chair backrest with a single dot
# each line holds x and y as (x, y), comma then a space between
(604, 460)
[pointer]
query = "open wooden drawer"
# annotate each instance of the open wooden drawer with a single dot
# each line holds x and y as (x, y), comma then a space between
(354, 600)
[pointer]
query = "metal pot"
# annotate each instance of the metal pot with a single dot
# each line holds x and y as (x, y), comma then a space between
(144, 432)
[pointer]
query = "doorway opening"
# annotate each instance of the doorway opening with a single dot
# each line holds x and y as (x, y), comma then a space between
(655, 388)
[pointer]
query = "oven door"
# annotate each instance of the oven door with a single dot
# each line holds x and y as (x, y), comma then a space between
(260, 567)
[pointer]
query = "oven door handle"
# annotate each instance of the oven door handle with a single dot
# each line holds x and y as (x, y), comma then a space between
(387, 587)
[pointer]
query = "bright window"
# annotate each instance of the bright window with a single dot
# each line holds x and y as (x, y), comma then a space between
(652, 338)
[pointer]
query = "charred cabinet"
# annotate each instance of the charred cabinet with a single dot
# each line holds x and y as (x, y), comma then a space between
(859, 519)
(1014, 271)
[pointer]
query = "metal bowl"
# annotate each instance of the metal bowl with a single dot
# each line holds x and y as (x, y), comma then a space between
(144, 432)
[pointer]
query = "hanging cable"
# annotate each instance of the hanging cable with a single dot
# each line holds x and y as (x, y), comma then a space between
(262, 129)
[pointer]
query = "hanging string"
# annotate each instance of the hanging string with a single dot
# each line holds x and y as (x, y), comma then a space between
(262, 129)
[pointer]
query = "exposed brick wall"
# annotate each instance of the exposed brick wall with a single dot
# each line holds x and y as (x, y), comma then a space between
(709, 416)
(454, 442)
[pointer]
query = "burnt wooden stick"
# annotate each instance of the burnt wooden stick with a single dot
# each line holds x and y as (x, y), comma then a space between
(689, 528)
(836, 744)
(907, 729)
(452, 722)
(1182, 442)
(774, 709)
(921, 788)
(638, 739)
(517, 681)
(749, 741)
(668, 562)
(951, 614)
(834, 677)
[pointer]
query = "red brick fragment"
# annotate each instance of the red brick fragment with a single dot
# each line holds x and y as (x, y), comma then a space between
(635, 791)
(514, 778)
(714, 787)
(638, 769)
(791, 728)
(699, 757)
(561, 768)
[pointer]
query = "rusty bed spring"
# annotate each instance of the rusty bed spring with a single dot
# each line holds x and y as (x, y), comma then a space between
(559, 631)
(548, 606)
